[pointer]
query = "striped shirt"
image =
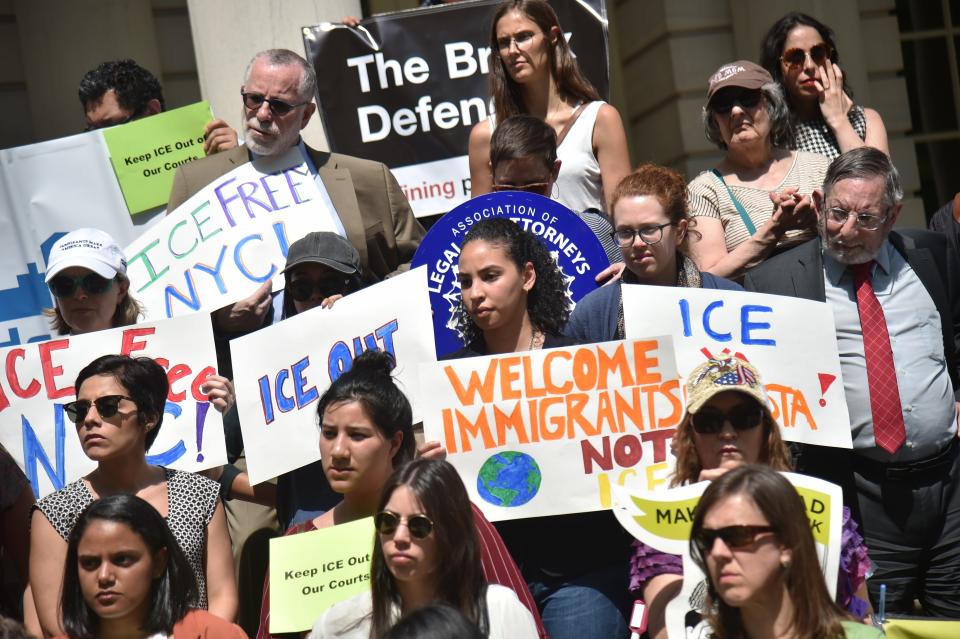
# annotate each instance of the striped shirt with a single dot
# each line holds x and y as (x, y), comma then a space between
(710, 198)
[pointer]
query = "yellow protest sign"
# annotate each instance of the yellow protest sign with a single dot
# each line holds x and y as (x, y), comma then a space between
(145, 153)
(312, 571)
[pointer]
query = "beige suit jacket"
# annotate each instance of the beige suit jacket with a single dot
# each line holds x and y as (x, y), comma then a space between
(373, 209)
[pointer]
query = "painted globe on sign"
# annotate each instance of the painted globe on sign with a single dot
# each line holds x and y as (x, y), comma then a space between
(509, 479)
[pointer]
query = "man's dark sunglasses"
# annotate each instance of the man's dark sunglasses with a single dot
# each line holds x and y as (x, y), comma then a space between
(66, 286)
(107, 406)
(302, 290)
(277, 107)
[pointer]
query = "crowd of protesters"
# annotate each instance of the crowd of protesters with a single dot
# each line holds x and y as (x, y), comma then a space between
(802, 203)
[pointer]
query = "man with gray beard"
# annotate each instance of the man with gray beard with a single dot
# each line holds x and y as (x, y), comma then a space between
(896, 305)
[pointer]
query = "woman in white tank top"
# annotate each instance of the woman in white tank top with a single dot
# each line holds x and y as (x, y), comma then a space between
(533, 71)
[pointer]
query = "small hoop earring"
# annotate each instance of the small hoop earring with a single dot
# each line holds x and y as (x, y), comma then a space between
(555, 192)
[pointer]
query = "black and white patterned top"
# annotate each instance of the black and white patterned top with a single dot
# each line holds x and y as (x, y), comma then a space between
(816, 136)
(600, 224)
(191, 502)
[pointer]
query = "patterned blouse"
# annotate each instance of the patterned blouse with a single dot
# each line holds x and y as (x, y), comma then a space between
(191, 502)
(816, 136)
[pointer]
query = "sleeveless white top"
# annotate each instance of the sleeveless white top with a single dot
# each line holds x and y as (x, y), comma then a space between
(579, 186)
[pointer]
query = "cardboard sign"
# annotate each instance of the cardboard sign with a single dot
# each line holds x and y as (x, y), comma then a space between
(39, 379)
(281, 371)
(228, 239)
(311, 571)
(145, 153)
(792, 342)
(663, 520)
(570, 241)
(547, 432)
(406, 88)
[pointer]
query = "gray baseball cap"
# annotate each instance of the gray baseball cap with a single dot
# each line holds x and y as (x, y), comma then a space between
(323, 247)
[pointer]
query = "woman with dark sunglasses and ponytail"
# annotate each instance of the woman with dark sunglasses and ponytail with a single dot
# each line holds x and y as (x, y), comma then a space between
(427, 551)
(118, 412)
(801, 55)
(728, 423)
(751, 537)
(757, 200)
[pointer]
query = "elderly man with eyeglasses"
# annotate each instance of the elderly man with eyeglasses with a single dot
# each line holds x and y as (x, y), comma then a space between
(369, 209)
(895, 300)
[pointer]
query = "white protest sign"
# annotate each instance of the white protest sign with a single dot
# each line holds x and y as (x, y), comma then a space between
(792, 342)
(228, 239)
(663, 520)
(281, 371)
(547, 432)
(39, 379)
(46, 190)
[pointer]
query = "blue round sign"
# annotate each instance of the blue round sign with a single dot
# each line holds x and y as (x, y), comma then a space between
(572, 244)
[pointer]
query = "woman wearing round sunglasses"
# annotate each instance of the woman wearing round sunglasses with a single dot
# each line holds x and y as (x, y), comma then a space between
(728, 423)
(426, 551)
(801, 55)
(751, 536)
(366, 432)
(757, 201)
(118, 412)
(534, 71)
(126, 578)
(650, 220)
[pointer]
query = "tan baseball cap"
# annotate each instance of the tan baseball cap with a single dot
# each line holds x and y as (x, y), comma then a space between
(742, 73)
(723, 374)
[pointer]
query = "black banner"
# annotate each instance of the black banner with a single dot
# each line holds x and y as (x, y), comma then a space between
(405, 88)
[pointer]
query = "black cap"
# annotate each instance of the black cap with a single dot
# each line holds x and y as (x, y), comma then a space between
(323, 247)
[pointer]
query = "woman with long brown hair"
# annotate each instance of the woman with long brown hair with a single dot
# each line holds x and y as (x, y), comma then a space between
(533, 71)
(728, 423)
(751, 536)
(427, 551)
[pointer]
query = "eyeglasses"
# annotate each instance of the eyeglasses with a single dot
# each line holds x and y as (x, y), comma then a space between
(709, 421)
(278, 108)
(649, 234)
(107, 125)
(387, 522)
(529, 187)
(724, 101)
(734, 537)
(522, 39)
(302, 290)
(66, 286)
(107, 406)
(794, 58)
(866, 221)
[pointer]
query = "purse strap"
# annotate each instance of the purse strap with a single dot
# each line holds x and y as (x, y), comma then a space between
(747, 222)
(573, 119)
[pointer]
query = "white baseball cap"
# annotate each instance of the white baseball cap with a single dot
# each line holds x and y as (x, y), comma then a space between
(90, 248)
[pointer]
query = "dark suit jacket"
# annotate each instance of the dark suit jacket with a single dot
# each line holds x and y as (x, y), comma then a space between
(799, 273)
(373, 209)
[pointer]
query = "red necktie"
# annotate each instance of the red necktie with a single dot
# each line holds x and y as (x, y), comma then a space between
(888, 430)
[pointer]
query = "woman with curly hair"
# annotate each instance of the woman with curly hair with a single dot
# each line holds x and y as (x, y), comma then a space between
(512, 294)
(534, 72)
(801, 55)
(751, 536)
(727, 425)
(650, 225)
(513, 299)
(427, 551)
(757, 200)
